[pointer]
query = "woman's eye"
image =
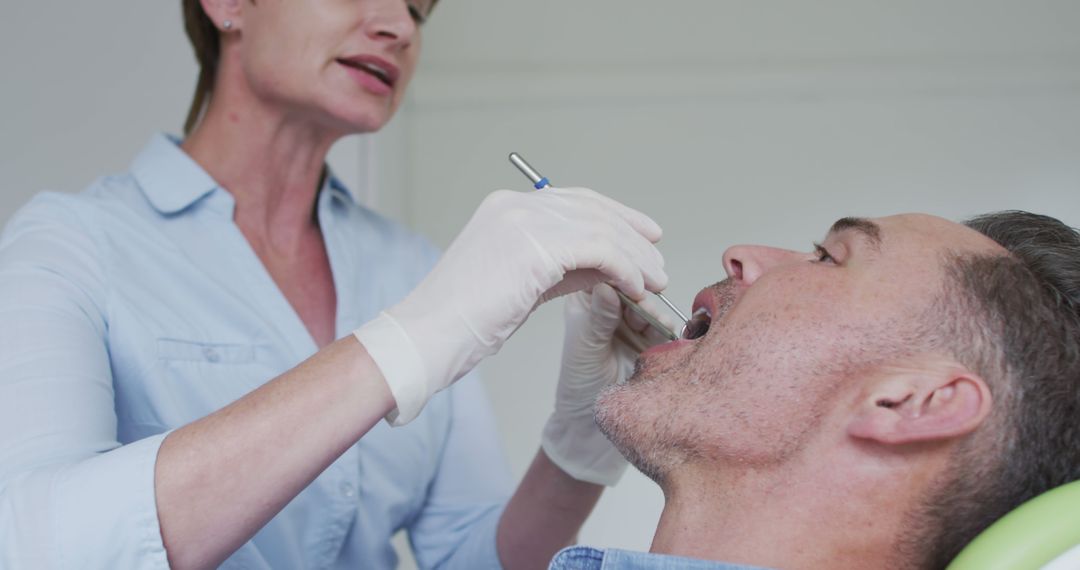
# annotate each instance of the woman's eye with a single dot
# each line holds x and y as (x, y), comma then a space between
(823, 254)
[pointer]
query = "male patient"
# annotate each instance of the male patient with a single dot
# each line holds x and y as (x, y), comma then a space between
(874, 404)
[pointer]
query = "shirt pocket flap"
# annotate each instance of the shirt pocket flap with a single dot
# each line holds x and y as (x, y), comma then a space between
(215, 353)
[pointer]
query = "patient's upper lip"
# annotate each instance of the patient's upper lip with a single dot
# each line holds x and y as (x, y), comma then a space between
(706, 299)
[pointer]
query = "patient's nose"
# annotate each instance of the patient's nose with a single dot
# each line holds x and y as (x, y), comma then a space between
(745, 263)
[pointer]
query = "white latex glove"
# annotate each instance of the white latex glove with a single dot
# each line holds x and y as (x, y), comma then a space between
(600, 346)
(518, 250)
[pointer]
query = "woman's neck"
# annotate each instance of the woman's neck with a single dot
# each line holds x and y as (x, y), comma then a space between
(271, 163)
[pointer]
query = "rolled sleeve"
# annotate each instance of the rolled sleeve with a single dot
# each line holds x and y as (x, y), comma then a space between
(70, 494)
(96, 513)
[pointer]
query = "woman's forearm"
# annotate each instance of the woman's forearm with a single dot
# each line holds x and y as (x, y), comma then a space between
(218, 480)
(544, 515)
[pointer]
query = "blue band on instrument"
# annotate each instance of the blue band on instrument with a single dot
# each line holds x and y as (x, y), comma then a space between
(541, 183)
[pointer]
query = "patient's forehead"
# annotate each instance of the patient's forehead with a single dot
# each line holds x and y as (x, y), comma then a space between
(933, 232)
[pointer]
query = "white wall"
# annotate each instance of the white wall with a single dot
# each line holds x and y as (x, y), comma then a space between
(85, 84)
(733, 121)
(728, 121)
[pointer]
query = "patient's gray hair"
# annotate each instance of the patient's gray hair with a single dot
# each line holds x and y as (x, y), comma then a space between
(1015, 320)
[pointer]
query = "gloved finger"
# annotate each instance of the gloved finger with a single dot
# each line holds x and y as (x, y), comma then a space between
(617, 268)
(572, 282)
(596, 238)
(632, 342)
(639, 324)
(645, 254)
(584, 279)
(605, 314)
(597, 223)
(636, 322)
(650, 262)
(634, 250)
(644, 334)
(641, 223)
(576, 309)
(653, 336)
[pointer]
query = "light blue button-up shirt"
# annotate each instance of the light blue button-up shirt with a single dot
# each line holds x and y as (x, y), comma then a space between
(136, 307)
(585, 558)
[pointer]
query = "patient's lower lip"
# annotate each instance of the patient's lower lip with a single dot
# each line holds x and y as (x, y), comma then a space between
(660, 348)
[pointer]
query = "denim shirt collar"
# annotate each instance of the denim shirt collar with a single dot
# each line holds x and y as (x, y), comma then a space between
(585, 558)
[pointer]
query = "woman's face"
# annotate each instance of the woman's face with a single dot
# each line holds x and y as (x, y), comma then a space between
(342, 64)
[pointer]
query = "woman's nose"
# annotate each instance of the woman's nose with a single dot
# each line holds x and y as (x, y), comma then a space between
(390, 21)
(746, 263)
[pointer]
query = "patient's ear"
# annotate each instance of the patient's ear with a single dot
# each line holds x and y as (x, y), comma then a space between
(928, 399)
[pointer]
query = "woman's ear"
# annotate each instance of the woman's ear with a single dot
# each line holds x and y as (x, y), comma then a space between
(222, 11)
(927, 401)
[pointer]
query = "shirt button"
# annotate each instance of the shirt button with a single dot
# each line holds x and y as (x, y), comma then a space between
(211, 354)
(347, 490)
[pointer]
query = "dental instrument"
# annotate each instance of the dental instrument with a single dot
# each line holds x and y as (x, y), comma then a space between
(540, 182)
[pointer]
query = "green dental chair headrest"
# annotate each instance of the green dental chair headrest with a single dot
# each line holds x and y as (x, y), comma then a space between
(1041, 534)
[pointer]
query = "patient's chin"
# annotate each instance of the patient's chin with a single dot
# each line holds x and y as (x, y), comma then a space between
(640, 431)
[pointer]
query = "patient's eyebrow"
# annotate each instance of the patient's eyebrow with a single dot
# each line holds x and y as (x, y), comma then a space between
(869, 230)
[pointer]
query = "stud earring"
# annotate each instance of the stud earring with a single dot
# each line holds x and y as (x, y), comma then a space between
(227, 24)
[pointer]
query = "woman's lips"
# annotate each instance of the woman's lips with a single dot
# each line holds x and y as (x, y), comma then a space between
(369, 82)
(374, 74)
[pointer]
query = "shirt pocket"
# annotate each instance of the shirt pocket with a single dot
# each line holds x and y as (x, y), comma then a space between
(194, 378)
(212, 353)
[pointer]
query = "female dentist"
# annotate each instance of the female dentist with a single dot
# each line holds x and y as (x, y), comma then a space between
(171, 390)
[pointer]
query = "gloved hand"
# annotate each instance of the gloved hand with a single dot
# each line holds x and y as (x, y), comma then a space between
(517, 251)
(601, 343)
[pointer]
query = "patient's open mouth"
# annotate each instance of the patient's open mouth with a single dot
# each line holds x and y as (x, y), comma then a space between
(711, 302)
(698, 324)
(695, 328)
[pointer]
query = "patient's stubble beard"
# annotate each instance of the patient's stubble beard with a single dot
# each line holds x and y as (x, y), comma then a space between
(636, 415)
(749, 393)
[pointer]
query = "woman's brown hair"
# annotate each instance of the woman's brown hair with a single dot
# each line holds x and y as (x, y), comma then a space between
(207, 45)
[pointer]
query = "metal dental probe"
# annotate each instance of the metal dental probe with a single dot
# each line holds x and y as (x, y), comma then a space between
(540, 182)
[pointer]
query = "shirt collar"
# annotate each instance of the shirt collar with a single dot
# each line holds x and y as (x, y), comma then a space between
(172, 181)
(169, 178)
(336, 189)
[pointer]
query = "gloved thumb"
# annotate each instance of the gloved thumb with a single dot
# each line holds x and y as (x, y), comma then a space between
(605, 311)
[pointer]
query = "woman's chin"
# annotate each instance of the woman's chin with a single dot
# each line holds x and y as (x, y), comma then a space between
(353, 123)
